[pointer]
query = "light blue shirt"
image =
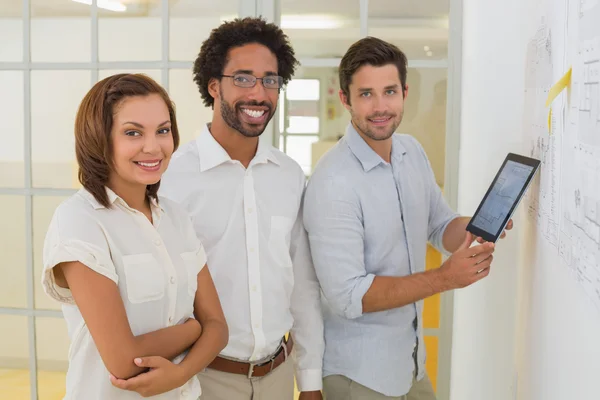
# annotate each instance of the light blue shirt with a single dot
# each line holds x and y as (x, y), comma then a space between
(365, 218)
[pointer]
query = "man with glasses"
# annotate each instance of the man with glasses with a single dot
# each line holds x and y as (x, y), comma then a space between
(244, 197)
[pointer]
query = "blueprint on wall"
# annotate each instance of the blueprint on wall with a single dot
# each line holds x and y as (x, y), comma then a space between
(544, 145)
(564, 200)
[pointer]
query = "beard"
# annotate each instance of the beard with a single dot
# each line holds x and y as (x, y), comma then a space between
(378, 133)
(230, 115)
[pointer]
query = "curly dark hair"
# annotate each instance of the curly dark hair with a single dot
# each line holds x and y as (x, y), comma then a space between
(239, 32)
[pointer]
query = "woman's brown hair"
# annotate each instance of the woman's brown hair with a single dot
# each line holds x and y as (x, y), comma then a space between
(94, 123)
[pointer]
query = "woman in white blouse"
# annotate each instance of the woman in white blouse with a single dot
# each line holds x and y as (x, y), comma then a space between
(142, 312)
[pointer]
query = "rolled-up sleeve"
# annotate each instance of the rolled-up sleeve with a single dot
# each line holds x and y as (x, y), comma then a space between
(333, 220)
(74, 238)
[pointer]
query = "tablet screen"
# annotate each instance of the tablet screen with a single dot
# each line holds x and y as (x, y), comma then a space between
(503, 195)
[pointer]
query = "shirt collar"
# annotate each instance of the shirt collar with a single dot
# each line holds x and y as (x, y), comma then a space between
(212, 154)
(114, 198)
(365, 154)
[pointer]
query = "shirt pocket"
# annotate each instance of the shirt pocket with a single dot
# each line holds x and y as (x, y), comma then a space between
(192, 267)
(279, 240)
(145, 280)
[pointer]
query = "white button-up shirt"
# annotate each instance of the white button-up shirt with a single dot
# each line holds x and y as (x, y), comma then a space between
(250, 223)
(155, 266)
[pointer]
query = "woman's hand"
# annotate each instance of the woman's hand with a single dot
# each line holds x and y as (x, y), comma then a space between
(162, 376)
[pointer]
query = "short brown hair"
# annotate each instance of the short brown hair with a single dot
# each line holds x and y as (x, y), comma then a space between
(94, 123)
(371, 51)
(211, 61)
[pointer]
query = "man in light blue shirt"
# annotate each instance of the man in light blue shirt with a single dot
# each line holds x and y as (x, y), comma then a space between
(370, 208)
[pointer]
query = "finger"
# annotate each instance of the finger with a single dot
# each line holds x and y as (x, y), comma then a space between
(483, 265)
(123, 384)
(467, 242)
(480, 258)
(503, 235)
(509, 226)
(150, 362)
(482, 274)
(480, 240)
(134, 384)
(485, 248)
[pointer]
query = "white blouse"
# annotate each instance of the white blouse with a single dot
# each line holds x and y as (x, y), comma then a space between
(155, 266)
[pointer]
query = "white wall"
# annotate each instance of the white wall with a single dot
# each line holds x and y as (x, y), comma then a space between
(483, 360)
(527, 332)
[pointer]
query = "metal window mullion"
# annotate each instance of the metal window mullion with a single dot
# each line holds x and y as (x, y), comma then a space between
(165, 44)
(35, 313)
(284, 136)
(19, 66)
(100, 65)
(453, 126)
(37, 192)
(302, 134)
(364, 18)
(94, 38)
(28, 199)
(69, 66)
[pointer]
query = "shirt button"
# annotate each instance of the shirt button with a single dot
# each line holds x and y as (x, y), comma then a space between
(251, 249)
(254, 288)
(170, 319)
(184, 392)
(256, 326)
(250, 210)
(157, 242)
(172, 279)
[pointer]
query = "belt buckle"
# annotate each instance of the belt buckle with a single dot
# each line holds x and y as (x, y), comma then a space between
(272, 364)
(271, 361)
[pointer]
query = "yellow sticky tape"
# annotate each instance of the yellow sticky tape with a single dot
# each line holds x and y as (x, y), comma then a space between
(559, 87)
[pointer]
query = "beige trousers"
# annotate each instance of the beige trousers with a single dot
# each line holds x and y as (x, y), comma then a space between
(278, 385)
(338, 387)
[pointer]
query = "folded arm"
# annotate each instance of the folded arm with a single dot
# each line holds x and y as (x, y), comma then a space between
(101, 306)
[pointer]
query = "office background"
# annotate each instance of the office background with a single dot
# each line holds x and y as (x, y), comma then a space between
(53, 51)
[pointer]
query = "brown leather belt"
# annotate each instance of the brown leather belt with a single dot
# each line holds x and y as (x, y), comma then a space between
(254, 370)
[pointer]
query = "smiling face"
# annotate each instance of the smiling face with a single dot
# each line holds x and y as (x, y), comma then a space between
(376, 101)
(247, 110)
(142, 142)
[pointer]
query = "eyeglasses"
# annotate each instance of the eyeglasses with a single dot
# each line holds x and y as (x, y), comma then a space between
(248, 81)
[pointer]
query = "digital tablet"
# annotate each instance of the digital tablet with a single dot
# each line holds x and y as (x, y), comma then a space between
(503, 196)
